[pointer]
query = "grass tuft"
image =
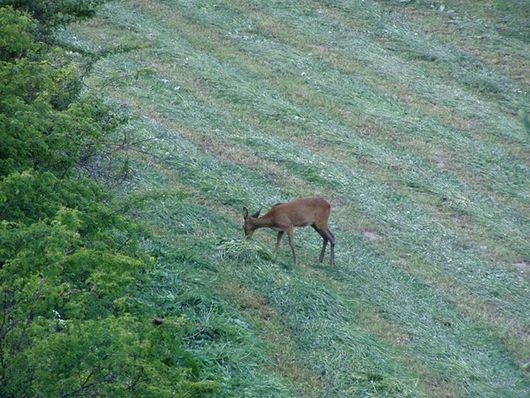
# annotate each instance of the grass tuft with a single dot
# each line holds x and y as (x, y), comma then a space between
(245, 252)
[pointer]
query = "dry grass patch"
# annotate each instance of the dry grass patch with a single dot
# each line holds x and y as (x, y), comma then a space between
(524, 268)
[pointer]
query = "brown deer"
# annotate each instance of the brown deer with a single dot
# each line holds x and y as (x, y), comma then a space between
(283, 217)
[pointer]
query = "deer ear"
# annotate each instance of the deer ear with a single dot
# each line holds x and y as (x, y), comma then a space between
(245, 214)
(257, 213)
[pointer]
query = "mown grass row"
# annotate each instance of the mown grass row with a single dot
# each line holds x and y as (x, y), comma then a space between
(399, 314)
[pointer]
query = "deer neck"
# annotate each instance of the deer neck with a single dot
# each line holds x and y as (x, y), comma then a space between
(262, 222)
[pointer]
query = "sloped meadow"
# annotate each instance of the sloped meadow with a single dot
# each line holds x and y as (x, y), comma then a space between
(389, 110)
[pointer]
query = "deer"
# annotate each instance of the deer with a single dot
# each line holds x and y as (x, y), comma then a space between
(283, 217)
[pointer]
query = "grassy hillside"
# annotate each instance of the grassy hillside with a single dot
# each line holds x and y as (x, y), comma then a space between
(408, 116)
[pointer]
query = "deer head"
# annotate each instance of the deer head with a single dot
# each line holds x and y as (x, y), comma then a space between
(249, 226)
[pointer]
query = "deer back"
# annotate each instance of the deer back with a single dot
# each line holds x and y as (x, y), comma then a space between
(301, 212)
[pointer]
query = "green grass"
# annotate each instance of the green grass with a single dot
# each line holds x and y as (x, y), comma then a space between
(396, 114)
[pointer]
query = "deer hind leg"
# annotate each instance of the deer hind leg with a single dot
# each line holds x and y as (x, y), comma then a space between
(332, 240)
(290, 234)
(325, 239)
(279, 240)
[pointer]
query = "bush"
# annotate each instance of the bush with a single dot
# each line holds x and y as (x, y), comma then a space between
(71, 326)
(31, 196)
(54, 13)
(15, 34)
(71, 266)
(42, 123)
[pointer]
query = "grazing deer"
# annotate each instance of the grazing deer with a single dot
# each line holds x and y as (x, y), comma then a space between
(283, 217)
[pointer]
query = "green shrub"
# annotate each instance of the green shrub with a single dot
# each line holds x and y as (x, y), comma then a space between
(42, 125)
(53, 13)
(71, 265)
(71, 325)
(30, 196)
(16, 39)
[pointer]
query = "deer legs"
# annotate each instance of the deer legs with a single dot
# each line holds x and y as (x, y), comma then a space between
(323, 252)
(332, 240)
(327, 236)
(324, 232)
(279, 239)
(291, 242)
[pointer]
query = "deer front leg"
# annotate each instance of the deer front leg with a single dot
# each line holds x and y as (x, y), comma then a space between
(323, 252)
(290, 234)
(279, 240)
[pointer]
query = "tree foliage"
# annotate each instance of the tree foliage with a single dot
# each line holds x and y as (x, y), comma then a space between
(43, 124)
(50, 14)
(70, 264)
